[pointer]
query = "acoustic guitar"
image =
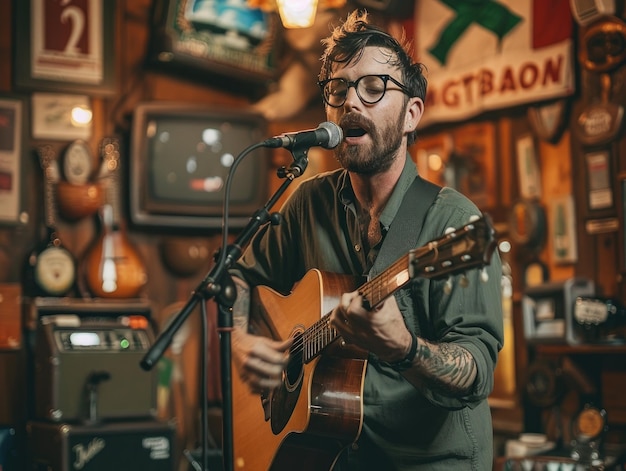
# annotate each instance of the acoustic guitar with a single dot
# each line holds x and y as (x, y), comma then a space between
(306, 422)
(50, 268)
(112, 266)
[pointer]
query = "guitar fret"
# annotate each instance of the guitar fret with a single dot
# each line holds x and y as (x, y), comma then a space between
(386, 282)
(321, 334)
(317, 337)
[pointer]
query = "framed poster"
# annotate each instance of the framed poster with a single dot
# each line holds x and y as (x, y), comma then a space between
(65, 46)
(13, 119)
(563, 228)
(473, 162)
(528, 168)
(599, 184)
(215, 38)
(463, 159)
(62, 117)
(432, 156)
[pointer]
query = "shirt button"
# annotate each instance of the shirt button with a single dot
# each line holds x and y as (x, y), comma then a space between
(355, 447)
(357, 247)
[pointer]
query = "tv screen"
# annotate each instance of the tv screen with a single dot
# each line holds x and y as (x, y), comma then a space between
(181, 155)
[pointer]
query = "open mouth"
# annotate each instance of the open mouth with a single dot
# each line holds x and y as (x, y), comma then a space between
(355, 132)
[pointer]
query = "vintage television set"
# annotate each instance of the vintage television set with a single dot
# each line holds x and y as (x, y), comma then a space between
(180, 157)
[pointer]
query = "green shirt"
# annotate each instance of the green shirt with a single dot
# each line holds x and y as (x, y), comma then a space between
(404, 428)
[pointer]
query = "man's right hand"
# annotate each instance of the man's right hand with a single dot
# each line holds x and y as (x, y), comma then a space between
(260, 361)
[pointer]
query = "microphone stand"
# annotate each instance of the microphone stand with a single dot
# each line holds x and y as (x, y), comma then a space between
(218, 284)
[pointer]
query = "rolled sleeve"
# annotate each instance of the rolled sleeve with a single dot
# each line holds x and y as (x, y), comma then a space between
(470, 315)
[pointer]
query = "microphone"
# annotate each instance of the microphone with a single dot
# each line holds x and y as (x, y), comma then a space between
(327, 135)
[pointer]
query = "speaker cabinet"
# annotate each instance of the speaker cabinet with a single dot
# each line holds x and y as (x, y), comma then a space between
(122, 446)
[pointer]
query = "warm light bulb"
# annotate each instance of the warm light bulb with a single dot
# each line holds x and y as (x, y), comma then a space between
(297, 13)
(81, 115)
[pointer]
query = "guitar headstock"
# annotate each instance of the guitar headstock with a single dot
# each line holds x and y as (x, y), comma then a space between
(110, 152)
(470, 246)
(49, 164)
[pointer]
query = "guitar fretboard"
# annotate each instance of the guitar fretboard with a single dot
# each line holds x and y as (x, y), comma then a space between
(50, 167)
(467, 247)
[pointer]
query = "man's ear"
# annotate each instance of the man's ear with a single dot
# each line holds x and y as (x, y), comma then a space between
(414, 111)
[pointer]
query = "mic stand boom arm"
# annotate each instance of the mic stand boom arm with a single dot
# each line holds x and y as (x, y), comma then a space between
(219, 285)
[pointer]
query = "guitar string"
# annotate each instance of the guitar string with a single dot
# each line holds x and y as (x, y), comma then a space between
(321, 334)
(322, 329)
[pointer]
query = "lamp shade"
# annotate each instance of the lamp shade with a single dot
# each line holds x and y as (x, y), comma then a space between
(297, 13)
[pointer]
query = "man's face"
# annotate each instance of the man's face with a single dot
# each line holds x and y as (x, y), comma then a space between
(373, 133)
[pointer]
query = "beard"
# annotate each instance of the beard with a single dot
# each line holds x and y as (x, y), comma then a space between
(377, 156)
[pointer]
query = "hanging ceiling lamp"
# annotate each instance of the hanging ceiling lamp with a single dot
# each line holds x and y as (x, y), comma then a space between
(297, 13)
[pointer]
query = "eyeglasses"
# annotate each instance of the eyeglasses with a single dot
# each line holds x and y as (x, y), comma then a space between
(370, 89)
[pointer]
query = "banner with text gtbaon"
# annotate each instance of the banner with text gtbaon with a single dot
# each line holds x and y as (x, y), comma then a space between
(491, 54)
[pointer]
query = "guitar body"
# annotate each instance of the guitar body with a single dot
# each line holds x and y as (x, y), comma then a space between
(50, 268)
(113, 268)
(318, 410)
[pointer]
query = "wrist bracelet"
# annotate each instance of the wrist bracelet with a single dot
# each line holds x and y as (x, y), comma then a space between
(407, 361)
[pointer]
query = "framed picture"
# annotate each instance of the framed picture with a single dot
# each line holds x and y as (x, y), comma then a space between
(563, 229)
(432, 156)
(216, 38)
(60, 116)
(65, 46)
(463, 159)
(528, 168)
(13, 135)
(599, 185)
(473, 162)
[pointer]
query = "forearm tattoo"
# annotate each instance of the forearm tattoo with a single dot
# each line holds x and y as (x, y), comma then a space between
(447, 367)
(241, 307)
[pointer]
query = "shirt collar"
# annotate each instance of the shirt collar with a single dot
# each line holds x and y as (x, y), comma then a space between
(409, 172)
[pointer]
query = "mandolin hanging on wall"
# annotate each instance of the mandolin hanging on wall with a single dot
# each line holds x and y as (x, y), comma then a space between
(112, 266)
(50, 268)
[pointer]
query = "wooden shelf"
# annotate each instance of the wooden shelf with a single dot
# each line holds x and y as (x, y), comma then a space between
(565, 349)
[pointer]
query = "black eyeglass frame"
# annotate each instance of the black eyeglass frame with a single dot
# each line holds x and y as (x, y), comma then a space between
(384, 77)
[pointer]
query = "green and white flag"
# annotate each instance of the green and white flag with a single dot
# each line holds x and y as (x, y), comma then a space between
(486, 55)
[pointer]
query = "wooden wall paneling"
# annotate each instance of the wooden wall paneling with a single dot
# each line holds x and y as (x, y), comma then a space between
(13, 397)
(606, 273)
(556, 167)
(599, 231)
(508, 185)
(523, 253)
(6, 45)
(621, 156)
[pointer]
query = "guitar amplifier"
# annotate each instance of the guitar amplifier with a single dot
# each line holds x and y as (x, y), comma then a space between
(86, 370)
(8, 450)
(548, 310)
(120, 446)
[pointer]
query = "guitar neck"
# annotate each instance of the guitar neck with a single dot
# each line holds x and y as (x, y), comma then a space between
(51, 175)
(321, 334)
(467, 247)
(111, 159)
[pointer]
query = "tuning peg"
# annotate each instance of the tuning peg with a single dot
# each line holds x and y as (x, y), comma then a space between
(474, 218)
(447, 287)
(463, 281)
(484, 276)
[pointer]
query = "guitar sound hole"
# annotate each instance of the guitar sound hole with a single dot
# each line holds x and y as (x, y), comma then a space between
(285, 397)
(293, 371)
